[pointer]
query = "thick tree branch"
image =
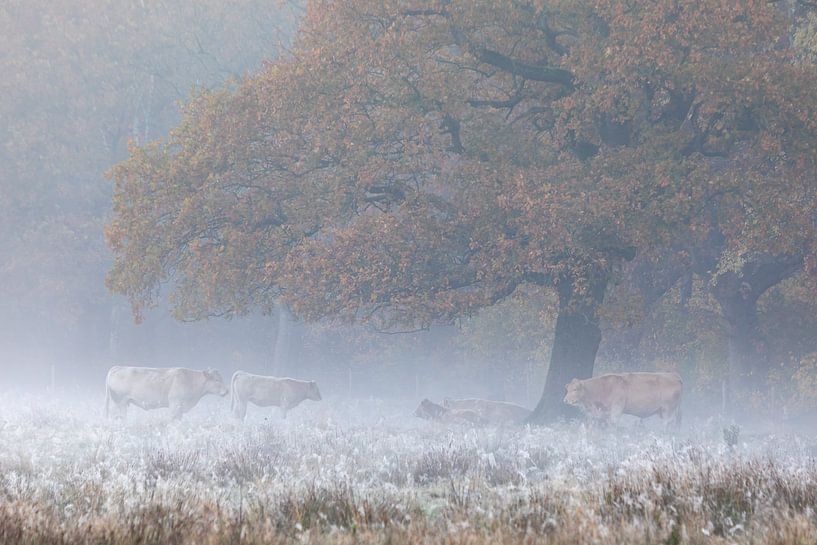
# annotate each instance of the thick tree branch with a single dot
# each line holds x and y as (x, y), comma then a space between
(424, 13)
(451, 125)
(499, 104)
(766, 274)
(525, 70)
(537, 278)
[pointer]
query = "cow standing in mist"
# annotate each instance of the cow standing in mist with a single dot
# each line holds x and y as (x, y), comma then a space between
(607, 397)
(285, 393)
(177, 388)
(492, 412)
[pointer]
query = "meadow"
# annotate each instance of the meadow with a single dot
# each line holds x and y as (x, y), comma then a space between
(366, 471)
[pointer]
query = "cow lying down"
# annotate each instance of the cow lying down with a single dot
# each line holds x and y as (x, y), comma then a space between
(429, 410)
(607, 397)
(177, 388)
(492, 412)
(264, 391)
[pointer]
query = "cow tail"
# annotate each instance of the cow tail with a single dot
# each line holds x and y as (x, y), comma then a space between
(107, 397)
(232, 393)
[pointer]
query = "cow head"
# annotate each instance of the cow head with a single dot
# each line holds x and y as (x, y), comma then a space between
(429, 410)
(422, 410)
(574, 392)
(312, 392)
(214, 384)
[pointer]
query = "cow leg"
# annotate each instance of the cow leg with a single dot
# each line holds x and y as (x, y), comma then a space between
(176, 411)
(663, 416)
(120, 407)
(284, 407)
(671, 418)
(615, 413)
(240, 409)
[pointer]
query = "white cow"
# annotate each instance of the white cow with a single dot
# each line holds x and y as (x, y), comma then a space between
(265, 391)
(178, 388)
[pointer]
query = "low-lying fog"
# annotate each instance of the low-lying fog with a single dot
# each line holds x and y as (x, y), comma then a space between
(361, 463)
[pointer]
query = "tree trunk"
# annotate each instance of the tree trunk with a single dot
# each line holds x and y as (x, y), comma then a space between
(575, 343)
(737, 295)
(114, 347)
(281, 352)
(653, 277)
(745, 359)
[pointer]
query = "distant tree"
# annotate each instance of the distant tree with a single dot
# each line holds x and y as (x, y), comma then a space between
(410, 163)
(83, 79)
(508, 343)
(736, 277)
(737, 280)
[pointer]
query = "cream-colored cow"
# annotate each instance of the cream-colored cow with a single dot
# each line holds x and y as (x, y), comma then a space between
(177, 388)
(607, 397)
(493, 412)
(428, 410)
(264, 391)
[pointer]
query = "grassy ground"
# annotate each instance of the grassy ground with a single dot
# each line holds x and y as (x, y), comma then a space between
(366, 472)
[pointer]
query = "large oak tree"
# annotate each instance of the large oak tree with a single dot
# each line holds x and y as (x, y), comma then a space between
(413, 162)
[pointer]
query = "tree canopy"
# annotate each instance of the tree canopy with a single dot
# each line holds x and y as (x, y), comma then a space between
(411, 162)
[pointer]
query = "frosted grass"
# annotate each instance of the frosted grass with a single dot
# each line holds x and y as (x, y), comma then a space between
(338, 466)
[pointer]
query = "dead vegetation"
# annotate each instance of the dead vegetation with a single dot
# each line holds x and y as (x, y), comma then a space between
(398, 483)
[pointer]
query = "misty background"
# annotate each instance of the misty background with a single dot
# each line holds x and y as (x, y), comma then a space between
(84, 79)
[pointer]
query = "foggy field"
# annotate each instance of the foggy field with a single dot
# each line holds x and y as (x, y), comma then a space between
(366, 471)
(522, 211)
